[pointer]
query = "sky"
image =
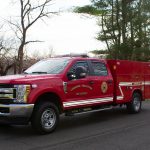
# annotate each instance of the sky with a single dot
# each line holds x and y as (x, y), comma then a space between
(65, 33)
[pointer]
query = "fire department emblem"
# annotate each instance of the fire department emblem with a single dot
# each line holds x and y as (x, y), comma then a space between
(104, 87)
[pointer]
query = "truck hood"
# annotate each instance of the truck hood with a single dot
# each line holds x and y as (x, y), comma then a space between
(18, 79)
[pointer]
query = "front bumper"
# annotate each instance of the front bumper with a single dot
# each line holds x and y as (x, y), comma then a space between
(13, 112)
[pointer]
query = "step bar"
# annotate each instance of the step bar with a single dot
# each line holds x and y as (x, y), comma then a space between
(86, 110)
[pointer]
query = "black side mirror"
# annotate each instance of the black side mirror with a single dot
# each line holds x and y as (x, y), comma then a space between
(71, 76)
(80, 72)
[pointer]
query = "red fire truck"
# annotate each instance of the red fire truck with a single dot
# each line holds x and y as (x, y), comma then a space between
(71, 85)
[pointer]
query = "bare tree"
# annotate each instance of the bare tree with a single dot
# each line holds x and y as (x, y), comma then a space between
(30, 12)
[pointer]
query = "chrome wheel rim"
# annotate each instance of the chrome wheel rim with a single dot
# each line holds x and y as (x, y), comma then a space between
(137, 103)
(48, 118)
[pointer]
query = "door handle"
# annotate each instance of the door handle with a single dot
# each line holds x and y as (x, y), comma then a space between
(91, 82)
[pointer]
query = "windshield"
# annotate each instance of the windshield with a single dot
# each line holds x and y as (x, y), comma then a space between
(49, 66)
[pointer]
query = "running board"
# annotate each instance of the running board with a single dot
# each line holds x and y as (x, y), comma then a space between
(86, 110)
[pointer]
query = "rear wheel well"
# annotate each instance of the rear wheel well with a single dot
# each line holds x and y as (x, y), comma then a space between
(140, 92)
(134, 106)
(50, 97)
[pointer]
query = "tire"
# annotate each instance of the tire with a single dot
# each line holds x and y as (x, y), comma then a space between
(45, 118)
(135, 105)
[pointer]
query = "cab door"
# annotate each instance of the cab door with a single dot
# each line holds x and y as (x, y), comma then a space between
(102, 81)
(79, 91)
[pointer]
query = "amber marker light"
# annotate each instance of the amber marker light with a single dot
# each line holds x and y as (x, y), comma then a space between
(114, 67)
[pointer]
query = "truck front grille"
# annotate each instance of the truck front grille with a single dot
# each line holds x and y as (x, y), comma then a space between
(6, 85)
(7, 94)
(4, 110)
(6, 101)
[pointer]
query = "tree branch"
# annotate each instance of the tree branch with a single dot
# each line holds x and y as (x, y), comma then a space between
(35, 41)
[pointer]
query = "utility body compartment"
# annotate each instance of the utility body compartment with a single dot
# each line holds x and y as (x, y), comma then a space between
(130, 77)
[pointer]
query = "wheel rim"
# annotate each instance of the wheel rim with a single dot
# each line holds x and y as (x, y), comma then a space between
(137, 103)
(48, 118)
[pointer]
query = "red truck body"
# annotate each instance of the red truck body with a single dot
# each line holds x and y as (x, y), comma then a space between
(130, 76)
(106, 83)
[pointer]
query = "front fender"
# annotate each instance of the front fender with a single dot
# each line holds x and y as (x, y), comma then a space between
(35, 93)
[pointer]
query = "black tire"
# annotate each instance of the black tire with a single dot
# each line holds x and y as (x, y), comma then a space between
(45, 118)
(135, 105)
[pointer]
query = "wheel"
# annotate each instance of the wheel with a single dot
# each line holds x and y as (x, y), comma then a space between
(45, 118)
(135, 105)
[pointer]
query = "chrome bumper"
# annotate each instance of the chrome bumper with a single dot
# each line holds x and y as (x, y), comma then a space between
(16, 110)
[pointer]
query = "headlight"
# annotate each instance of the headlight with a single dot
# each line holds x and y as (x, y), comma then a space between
(22, 92)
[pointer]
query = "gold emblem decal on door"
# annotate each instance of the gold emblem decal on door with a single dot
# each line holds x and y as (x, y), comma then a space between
(75, 87)
(81, 86)
(81, 94)
(104, 87)
(87, 86)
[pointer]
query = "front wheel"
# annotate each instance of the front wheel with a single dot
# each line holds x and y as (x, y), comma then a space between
(135, 105)
(45, 118)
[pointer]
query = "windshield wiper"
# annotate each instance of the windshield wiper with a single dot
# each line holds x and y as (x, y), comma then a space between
(40, 72)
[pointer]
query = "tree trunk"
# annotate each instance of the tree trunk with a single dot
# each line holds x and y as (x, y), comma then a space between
(20, 59)
(112, 22)
(124, 9)
(118, 24)
(105, 35)
(140, 22)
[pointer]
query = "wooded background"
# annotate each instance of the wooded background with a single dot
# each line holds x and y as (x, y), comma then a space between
(124, 27)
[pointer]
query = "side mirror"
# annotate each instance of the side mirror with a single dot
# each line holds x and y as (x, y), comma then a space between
(71, 76)
(80, 72)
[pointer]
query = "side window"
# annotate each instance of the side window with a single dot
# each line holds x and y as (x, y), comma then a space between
(78, 64)
(99, 69)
